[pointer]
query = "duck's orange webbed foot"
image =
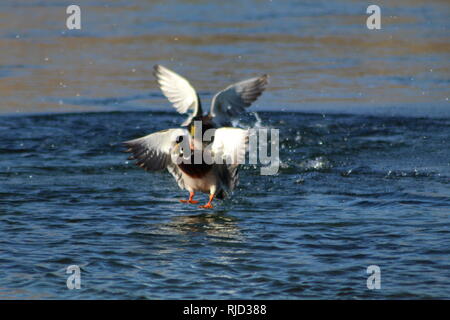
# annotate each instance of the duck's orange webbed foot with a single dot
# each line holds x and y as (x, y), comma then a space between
(191, 195)
(189, 201)
(208, 205)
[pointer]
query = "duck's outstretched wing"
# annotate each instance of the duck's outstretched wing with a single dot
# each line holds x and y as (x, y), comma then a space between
(178, 91)
(153, 152)
(233, 100)
(229, 147)
(176, 173)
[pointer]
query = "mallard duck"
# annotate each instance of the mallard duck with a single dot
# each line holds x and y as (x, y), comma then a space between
(157, 151)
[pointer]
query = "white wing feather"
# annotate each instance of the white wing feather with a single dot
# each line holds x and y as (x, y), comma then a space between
(233, 100)
(230, 145)
(153, 152)
(177, 90)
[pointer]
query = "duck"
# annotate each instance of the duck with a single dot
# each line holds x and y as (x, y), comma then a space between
(215, 171)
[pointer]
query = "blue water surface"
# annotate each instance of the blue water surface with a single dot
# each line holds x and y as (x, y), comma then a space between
(352, 191)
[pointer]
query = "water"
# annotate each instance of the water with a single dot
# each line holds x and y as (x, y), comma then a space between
(352, 191)
(364, 122)
(320, 55)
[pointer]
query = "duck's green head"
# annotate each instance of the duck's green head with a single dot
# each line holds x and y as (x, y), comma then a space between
(200, 124)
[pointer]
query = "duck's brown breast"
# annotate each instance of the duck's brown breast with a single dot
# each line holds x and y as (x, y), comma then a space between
(195, 170)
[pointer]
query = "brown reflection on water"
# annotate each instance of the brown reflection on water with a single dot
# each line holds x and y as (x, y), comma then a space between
(214, 225)
(316, 60)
